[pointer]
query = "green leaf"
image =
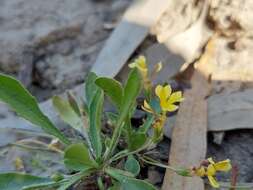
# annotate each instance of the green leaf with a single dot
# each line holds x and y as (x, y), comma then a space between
(73, 103)
(127, 182)
(67, 113)
(90, 87)
(147, 124)
(116, 186)
(112, 118)
(131, 92)
(46, 185)
(78, 158)
(137, 140)
(17, 181)
(132, 165)
(73, 179)
(24, 104)
(95, 117)
(100, 183)
(112, 88)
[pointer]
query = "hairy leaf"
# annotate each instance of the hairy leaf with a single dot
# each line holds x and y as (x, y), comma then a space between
(90, 88)
(137, 140)
(132, 165)
(78, 158)
(95, 117)
(18, 181)
(67, 113)
(73, 103)
(112, 88)
(131, 92)
(24, 104)
(127, 182)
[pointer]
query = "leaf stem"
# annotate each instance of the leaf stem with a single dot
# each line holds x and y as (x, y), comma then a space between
(155, 163)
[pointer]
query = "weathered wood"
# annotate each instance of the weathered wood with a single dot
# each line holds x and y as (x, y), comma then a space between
(128, 35)
(188, 146)
(171, 62)
(232, 111)
(189, 43)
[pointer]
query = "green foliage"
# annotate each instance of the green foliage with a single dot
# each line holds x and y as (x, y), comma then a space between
(137, 140)
(90, 88)
(99, 151)
(67, 113)
(73, 103)
(95, 114)
(128, 182)
(132, 165)
(26, 106)
(131, 92)
(17, 181)
(72, 180)
(112, 88)
(78, 158)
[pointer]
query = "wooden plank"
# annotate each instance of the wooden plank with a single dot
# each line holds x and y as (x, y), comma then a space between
(128, 35)
(231, 111)
(188, 146)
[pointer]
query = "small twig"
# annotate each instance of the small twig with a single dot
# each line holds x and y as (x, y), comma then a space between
(40, 134)
(51, 148)
(27, 147)
(21, 145)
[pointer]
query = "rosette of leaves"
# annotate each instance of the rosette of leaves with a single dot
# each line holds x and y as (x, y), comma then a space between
(98, 154)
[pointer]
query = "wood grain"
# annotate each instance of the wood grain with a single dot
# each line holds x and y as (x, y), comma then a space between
(188, 146)
(128, 35)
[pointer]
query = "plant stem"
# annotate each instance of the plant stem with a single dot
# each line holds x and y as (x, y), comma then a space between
(131, 153)
(114, 141)
(155, 163)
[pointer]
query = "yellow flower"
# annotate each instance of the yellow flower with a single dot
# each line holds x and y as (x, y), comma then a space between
(211, 169)
(141, 65)
(167, 98)
(201, 172)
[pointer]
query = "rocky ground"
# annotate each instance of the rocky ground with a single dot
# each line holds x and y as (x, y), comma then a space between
(50, 45)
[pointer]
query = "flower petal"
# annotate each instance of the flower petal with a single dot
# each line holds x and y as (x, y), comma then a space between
(211, 170)
(224, 165)
(211, 160)
(140, 64)
(158, 90)
(200, 171)
(132, 65)
(213, 182)
(147, 107)
(176, 97)
(167, 91)
(169, 107)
